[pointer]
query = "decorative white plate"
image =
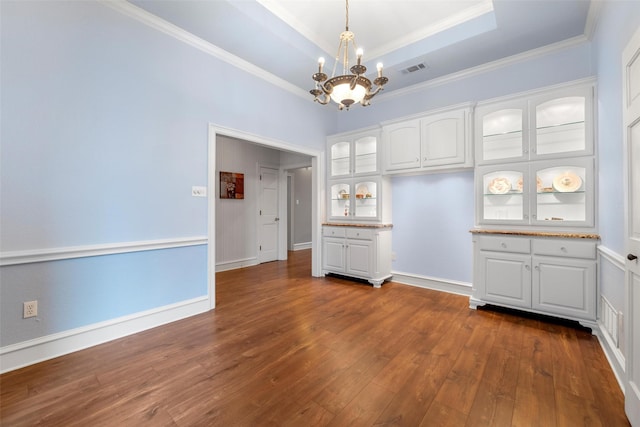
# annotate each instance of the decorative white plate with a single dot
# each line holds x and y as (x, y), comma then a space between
(499, 186)
(567, 182)
(519, 184)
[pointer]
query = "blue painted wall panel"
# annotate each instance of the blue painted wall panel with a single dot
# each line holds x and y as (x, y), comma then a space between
(78, 292)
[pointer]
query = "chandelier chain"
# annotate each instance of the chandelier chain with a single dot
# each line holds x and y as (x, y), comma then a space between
(347, 16)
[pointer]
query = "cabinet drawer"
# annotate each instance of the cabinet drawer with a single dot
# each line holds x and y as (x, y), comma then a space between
(565, 248)
(333, 231)
(359, 233)
(504, 244)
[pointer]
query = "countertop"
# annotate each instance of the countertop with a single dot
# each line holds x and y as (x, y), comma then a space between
(563, 234)
(359, 224)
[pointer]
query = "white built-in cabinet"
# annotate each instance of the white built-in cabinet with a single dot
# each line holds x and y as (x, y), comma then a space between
(535, 194)
(356, 239)
(357, 251)
(356, 190)
(433, 141)
(535, 162)
(553, 276)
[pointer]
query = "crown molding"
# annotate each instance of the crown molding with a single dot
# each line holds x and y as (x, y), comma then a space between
(595, 8)
(485, 68)
(157, 23)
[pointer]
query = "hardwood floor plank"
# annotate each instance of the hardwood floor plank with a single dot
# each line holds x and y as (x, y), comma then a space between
(535, 394)
(285, 349)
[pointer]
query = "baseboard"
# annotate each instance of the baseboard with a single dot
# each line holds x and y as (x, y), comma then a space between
(301, 246)
(27, 353)
(444, 285)
(613, 354)
(238, 263)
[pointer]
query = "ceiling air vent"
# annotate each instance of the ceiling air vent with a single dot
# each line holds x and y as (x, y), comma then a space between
(414, 68)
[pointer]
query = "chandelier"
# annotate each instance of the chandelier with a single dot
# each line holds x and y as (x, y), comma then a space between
(346, 89)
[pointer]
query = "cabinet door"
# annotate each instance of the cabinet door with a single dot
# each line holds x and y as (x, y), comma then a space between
(359, 261)
(365, 150)
(562, 123)
(505, 278)
(566, 287)
(502, 194)
(366, 199)
(340, 199)
(563, 192)
(501, 132)
(401, 145)
(333, 254)
(443, 139)
(339, 158)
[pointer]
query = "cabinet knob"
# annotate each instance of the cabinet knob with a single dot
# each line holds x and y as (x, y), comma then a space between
(528, 267)
(563, 249)
(503, 244)
(632, 257)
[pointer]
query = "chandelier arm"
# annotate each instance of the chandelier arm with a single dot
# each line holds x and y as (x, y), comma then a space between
(370, 95)
(323, 101)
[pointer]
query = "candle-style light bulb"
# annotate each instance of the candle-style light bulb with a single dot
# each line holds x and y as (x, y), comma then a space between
(320, 64)
(379, 67)
(359, 53)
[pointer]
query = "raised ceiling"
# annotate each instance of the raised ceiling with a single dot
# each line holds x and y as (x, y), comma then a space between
(435, 38)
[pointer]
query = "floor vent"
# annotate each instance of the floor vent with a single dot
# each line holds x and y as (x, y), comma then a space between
(609, 319)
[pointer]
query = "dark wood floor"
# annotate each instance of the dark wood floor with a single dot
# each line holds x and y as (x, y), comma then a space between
(285, 349)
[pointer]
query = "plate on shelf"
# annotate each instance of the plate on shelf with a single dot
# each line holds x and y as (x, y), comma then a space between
(567, 182)
(519, 184)
(499, 185)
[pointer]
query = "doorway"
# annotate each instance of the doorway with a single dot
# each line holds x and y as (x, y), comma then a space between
(289, 158)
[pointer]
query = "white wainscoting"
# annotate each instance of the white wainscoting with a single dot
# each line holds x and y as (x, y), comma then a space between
(609, 317)
(40, 349)
(26, 353)
(437, 284)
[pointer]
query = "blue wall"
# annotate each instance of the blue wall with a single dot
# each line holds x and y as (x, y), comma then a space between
(618, 21)
(104, 131)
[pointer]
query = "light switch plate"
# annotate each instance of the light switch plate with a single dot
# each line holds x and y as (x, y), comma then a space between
(197, 191)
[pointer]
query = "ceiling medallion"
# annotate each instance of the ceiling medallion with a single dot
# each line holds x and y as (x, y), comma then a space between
(346, 89)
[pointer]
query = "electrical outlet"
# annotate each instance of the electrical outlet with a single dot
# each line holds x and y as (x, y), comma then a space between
(29, 309)
(197, 191)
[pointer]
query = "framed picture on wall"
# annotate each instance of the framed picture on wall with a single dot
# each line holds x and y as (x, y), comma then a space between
(231, 185)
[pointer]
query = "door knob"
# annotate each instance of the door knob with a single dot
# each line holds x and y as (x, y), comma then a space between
(632, 257)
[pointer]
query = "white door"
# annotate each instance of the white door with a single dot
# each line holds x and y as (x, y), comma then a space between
(631, 115)
(268, 215)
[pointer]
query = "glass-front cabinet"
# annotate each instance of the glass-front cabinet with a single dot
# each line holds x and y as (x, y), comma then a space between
(354, 154)
(503, 194)
(501, 132)
(355, 199)
(547, 193)
(563, 193)
(554, 124)
(535, 163)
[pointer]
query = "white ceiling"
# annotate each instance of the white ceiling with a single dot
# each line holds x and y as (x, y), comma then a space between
(285, 37)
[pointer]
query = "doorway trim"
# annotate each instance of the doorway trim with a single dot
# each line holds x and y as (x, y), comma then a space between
(317, 201)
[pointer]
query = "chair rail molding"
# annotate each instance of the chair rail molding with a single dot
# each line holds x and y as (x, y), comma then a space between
(69, 252)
